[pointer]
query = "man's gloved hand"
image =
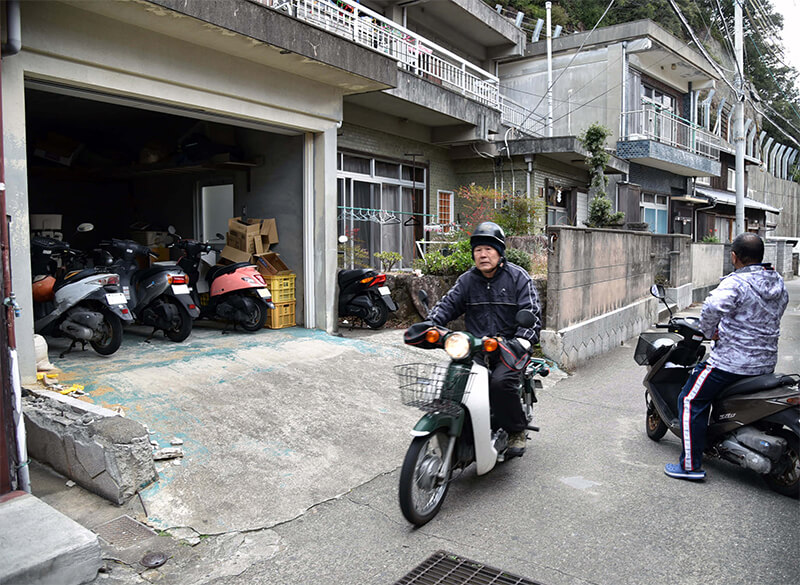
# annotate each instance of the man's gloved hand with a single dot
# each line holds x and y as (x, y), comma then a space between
(520, 345)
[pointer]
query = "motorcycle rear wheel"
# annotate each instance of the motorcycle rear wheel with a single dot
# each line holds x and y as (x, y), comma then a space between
(656, 428)
(183, 328)
(378, 315)
(110, 334)
(257, 318)
(788, 482)
(421, 493)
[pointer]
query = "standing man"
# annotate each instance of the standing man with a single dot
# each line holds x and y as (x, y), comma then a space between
(743, 315)
(489, 295)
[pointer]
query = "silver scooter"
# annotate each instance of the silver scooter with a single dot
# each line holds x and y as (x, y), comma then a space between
(85, 305)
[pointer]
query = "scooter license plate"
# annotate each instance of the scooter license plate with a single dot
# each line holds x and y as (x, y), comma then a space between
(116, 299)
(384, 290)
(180, 289)
(264, 293)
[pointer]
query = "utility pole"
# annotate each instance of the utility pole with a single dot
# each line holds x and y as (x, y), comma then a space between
(547, 6)
(738, 129)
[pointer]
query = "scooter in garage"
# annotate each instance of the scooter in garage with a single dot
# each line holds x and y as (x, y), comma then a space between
(755, 422)
(159, 295)
(363, 293)
(236, 293)
(85, 305)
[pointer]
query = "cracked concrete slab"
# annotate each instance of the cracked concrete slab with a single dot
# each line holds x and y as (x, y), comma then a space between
(271, 424)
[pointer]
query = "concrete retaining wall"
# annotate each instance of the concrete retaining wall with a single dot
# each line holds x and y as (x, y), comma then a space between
(707, 262)
(103, 452)
(598, 291)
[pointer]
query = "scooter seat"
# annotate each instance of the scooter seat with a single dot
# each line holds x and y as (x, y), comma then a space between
(217, 271)
(755, 384)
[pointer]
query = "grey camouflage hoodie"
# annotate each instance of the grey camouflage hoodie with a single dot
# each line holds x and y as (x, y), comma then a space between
(746, 308)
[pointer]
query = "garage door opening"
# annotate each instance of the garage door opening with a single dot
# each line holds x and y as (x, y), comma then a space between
(134, 171)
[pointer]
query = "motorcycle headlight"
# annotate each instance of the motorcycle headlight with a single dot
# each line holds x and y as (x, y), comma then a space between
(457, 345)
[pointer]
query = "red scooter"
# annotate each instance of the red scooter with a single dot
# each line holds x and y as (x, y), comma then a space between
(235, 293)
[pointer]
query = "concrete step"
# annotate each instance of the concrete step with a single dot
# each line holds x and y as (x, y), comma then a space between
(39, 545)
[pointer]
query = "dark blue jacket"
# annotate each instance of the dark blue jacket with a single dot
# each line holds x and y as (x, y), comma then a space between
(490, 305)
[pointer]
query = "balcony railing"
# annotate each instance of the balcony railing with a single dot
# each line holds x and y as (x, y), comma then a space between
(516, 116)
(652, 122)
(412, 52)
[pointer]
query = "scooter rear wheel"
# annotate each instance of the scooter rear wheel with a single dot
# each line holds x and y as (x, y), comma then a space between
(256, 318)
(109, 338)
(183, 327)
(421, 492)
(656, 428)
(787, 482)
(378, 315)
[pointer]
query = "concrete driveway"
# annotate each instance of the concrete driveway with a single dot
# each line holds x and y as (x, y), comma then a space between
(272, 423)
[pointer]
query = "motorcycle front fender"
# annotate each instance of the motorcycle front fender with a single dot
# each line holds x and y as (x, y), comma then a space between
(433, 421)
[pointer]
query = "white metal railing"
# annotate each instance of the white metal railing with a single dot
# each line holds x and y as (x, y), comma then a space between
(516, 116)
(652, 122)
(411, 51)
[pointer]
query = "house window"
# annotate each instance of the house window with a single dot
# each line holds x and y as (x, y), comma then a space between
(445, 209)
(731, 179)
(703, 181)
(654, 211)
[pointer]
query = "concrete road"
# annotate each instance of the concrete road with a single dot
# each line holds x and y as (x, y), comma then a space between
(588, 503)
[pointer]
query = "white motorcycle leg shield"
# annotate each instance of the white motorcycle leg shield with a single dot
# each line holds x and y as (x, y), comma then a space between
(477, 403)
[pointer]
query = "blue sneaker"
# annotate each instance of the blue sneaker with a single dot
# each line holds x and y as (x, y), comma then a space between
(678, 472)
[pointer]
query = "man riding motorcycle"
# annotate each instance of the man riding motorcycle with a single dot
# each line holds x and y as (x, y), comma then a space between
(489, 295)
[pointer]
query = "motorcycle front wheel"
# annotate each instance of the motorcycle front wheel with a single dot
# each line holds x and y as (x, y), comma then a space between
(108, 338)
(656, 428)
(182, 326)
(787, 482)
(256, 317)
(421, 490)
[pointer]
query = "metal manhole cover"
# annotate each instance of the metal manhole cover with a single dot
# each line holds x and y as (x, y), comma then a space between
(123, 532)
(444, 568)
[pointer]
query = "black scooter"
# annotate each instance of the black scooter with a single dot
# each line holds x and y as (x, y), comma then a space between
(159, 295)
(755, 423)
(363, 293)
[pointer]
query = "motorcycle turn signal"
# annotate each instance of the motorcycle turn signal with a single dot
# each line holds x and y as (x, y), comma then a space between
(490, 344)
(432, 336)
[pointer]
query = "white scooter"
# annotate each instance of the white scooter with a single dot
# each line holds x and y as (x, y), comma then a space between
(456, 429)
(85, 305)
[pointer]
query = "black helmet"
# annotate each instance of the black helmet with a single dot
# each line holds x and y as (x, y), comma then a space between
(489, 233)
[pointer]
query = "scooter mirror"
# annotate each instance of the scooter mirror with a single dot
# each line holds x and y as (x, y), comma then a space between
(85, 227)
(343, 239)
(525, 318)
(171, 230)
(657, 290)
(423, 298)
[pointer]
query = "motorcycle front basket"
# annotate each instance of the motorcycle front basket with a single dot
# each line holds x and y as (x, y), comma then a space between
(433, 387)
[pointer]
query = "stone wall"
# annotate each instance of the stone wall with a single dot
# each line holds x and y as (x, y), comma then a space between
(103, 452)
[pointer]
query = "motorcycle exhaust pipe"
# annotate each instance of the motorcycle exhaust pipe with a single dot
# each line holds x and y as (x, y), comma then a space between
(744, 457)
(76, 331)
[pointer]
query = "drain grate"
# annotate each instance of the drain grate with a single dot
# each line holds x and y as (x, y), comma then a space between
(444, 568)
(123, 532)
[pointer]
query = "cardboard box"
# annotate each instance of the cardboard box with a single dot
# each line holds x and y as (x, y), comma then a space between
(255, 236)
(151, 238)
(58, 148)
(45, 221)
(270, 264)
(234, 255)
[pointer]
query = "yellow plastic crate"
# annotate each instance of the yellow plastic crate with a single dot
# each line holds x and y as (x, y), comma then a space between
(281, 286)
(281, 316)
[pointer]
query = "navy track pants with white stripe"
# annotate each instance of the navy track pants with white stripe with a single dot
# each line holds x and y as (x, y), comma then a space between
(694, 404)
